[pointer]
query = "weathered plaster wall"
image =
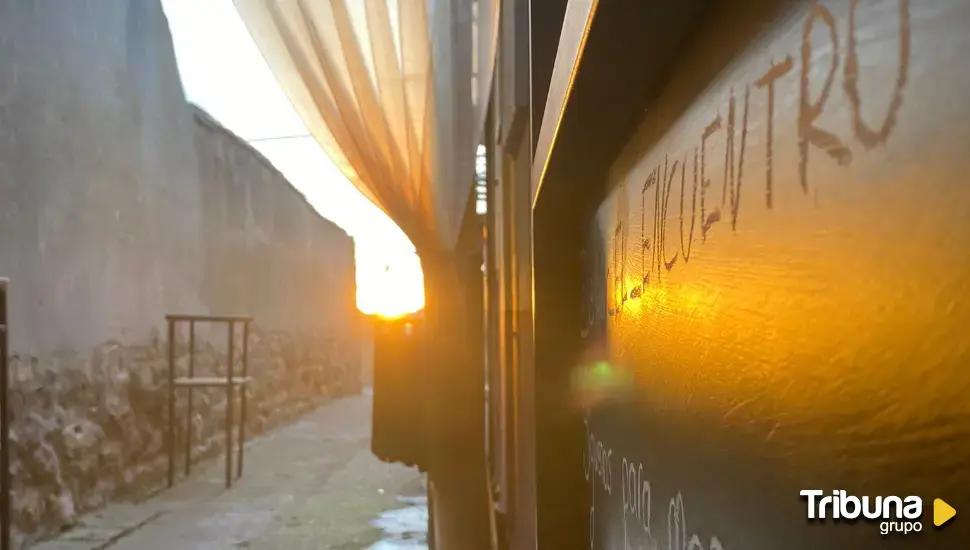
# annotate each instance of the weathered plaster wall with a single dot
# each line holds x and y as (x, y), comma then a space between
(120, 203)
(99, 182)
(258, 232)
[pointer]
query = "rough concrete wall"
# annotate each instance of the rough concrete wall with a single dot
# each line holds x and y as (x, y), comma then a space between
(120, 203)
(99, 189)
(267, 252)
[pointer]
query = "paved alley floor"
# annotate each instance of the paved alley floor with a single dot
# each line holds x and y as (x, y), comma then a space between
(313, 484)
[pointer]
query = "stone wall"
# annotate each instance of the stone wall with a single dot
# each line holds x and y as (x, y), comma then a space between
(119, 203)
(89, 427)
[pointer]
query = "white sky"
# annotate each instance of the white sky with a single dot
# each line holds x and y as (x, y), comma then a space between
(223, 72)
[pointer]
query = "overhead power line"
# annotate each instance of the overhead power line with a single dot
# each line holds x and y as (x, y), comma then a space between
(277, 138)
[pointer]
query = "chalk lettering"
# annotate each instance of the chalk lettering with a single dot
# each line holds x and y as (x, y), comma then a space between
(676, 523)
(645, 271)
(619, 253)
(707, 220)
(867, 136)
(768, 81)
(636, 492)
(685, 248)
(636, 502)
(808, 133)
(732, 178)
(605, 471)
(627, 498)
(657, 236)
(668, 264)
(644, 502)
(598, 461)
(643, 242)
(587, 471)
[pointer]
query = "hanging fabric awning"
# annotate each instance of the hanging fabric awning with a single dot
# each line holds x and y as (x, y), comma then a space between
(395, 91)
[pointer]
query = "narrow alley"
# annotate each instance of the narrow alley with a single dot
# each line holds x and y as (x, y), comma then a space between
(310, 484)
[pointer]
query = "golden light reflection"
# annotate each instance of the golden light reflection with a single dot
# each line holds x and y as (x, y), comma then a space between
(698, 301)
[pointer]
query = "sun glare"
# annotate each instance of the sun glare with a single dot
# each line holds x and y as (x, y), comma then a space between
(223, 72)
(388, 289)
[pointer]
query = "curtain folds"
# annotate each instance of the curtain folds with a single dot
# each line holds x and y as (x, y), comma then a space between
(395, 91)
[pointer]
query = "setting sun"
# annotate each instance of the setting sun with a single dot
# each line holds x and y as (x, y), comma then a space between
(388, 288)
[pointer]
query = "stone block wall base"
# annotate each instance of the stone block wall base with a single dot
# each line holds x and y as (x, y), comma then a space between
(88, 428)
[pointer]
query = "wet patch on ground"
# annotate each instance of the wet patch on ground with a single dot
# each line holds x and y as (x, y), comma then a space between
(404, 528)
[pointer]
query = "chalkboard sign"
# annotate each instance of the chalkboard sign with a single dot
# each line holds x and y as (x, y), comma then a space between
(778, 299)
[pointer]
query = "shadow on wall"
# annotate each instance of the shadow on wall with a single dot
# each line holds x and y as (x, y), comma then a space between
(119, 204)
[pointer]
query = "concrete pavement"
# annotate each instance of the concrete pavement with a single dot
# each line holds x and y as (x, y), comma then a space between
(313, 484)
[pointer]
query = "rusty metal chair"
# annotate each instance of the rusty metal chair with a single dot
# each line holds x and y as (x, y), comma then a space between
(230, 382)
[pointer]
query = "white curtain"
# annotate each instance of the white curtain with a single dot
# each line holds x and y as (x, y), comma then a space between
(395, 91)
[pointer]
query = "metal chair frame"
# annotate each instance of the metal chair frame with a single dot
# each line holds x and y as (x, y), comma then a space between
(5, 484)
(190, 382)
